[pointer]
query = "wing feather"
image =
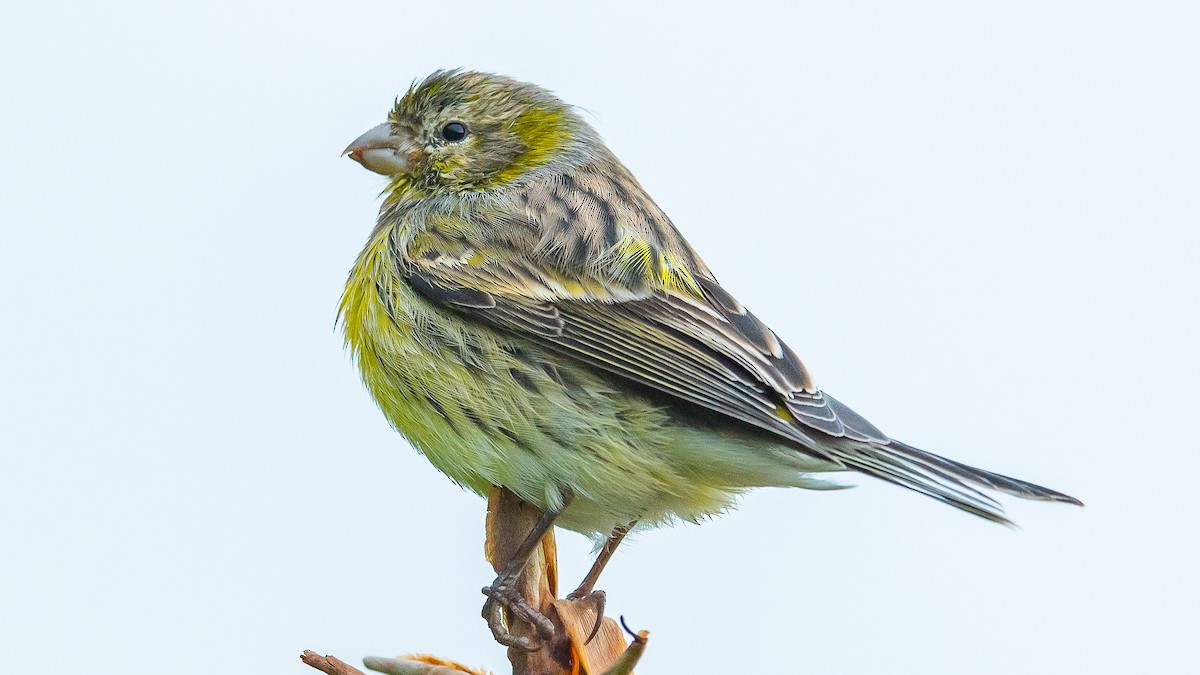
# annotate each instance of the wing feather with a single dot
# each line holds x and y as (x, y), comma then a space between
(620, 337)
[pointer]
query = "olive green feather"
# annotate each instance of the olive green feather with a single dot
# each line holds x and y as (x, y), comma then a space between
(528, 317)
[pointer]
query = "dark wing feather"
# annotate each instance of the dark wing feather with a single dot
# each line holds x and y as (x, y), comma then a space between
(624, 338)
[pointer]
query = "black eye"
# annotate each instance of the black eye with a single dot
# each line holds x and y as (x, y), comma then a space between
(454, 132)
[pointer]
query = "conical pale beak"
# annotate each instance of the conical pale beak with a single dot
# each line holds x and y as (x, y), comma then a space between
(382, 150)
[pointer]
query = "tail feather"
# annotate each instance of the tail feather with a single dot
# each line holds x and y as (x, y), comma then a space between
(995, 481)
(966, 498)
(943, 479)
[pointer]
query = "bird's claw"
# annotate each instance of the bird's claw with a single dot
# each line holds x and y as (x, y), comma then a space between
(596, 600)
(502, 596)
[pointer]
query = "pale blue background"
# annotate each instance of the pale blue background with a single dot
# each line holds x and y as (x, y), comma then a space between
(976, 222)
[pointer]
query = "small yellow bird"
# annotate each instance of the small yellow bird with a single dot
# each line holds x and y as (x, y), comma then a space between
(527, 316)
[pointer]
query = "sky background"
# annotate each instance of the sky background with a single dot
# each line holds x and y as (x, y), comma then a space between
(977, 223)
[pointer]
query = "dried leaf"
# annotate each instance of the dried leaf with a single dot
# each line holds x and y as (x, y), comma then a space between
(419, 664)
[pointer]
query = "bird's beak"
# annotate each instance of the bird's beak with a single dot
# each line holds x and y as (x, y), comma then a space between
(383, 150)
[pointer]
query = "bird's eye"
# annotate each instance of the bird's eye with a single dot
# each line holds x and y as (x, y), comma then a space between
(454, 132)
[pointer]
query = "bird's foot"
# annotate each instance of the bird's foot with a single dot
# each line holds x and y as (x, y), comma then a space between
(502, 595)
(594, 599)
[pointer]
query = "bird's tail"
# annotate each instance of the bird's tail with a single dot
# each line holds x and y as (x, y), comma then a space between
(943, 479)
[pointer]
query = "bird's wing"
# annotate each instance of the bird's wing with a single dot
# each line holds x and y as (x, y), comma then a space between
(679, 333)
(632, 299)
(706, 350)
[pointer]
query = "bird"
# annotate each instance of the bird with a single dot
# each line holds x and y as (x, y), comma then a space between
(526, 315)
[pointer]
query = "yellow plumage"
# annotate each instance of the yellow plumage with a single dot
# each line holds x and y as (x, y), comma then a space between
(528, 317)
(487, 409)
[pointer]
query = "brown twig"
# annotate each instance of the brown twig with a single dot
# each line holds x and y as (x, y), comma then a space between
(572, 651)
(329, 665)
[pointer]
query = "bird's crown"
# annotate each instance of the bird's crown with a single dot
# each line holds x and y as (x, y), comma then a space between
(462, 131)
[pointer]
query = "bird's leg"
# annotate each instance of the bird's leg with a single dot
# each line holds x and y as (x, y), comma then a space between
(606, 553)
(597, 598)
(504, 593)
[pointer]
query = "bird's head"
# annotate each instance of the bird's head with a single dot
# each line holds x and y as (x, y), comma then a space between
(458, 132)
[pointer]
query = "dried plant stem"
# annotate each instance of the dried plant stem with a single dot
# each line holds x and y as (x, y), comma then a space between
(569, 652)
